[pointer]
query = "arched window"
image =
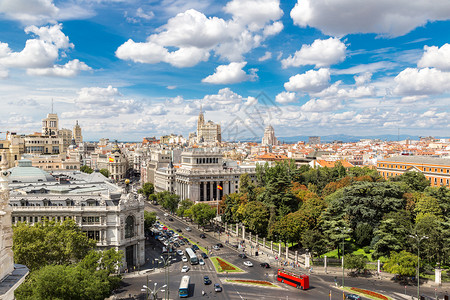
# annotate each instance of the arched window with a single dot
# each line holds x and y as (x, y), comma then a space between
(129, 227)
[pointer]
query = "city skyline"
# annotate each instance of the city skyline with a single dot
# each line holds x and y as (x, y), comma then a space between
(131, 69)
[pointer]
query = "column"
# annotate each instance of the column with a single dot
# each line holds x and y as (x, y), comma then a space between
(205, 184)
(325, 263)
(307, 264)
(264, 242)
(237, 229)
(438, 275)
(287, 253)
(243, 232)
(271, 246)
(378, 267)
(296, 257)
(279, 250)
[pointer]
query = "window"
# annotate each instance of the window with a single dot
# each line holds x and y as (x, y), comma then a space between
(129, 227)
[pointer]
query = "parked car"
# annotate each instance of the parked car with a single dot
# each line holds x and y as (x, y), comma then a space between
(353, 297)
(180, 253)
(219, 245)
(179, 230)
(206, 280)
(242, 255)
(184, 259)
(201, 262)
(170, 219)
(202, 235)
(195, 247)
(248, 263)
(215, 247)
(184, 269)
(234, 246)
(204, 255)
(182, 243)
(166, 214)
(188, 229)
(217, 287)
(265, 265)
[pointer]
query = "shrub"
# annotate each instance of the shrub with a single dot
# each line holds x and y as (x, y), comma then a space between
(366, 249)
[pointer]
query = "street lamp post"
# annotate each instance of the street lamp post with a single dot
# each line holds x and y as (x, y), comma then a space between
(152, 291)
(418, 239)
(166, 263)
(343, 231)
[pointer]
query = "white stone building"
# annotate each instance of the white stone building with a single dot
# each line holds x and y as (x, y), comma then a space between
(269, 138)
(101, 209)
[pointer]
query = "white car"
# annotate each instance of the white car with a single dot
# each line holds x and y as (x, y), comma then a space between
(201, 262)
(248, 263)
(184, 259)
(215, 247)
(188, 229)
(179, 252)
(184, 269)
(166, 214)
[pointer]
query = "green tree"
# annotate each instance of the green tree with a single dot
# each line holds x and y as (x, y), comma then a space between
(392, 233)
(403, 263)
(355, 262)
(426, 205)
(183, 207)
(147, 189)
(49, 243)
(105, 172)
(314, 240)
(89, 279)
(231, 204)
(170, 202)
(149, 219)
(415, 180)
(363, 234)
(256, 217)
(202, 213)
(86, 169)
(246, 186)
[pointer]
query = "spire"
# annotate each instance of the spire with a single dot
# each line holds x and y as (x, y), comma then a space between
(52, 105)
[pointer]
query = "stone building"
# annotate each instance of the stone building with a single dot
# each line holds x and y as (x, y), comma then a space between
(77, 136)
(115, 162)
(11, 275)
(101, 209)
(269, 138)
(202, 176)
(208, 132)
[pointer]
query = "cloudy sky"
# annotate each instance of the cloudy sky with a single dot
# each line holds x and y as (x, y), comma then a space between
(129, 69)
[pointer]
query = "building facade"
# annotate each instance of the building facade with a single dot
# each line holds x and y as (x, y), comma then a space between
(269, 138)
(436, 170)
(101, 209)
(208, 132)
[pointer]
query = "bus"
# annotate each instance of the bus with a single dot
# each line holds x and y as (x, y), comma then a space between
(193, 259)
(183, 291)
(300, 281)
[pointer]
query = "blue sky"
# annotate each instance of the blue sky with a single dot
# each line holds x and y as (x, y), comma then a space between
(129, 69)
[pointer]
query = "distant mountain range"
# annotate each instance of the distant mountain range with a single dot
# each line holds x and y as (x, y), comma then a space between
(344, 138)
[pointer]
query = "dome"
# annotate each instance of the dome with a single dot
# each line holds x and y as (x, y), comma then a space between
(25, 172)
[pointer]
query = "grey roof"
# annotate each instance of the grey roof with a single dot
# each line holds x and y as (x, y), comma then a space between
(419, 160)
(25, 172)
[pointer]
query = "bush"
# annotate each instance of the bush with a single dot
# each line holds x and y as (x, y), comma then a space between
(366, 249)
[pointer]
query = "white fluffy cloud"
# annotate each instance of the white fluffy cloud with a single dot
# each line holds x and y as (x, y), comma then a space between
(70, 69)
(229, 74)
(320, 105)
(193, 36)
(266, 56)
(427, 81)
(39, 54)
(311, 81)
(436, 57)
(321, 53)
(286, 97)
(384, 17)
(29, 11)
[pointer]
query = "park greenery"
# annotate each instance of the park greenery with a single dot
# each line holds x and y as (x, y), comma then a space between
(63, 262)
(321, 208)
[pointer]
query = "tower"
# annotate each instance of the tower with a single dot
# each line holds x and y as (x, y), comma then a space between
(50, 125)
(200, 123)
(77, 136)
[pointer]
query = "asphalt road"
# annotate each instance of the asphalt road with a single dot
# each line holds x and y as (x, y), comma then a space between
(320, 285)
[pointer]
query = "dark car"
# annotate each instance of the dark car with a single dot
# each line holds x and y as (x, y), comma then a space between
(203, 236)
(206, 280)
(242, 255)
(170, 219)
(353, 297)
(179, 230)
(265, 265)
(204, 255)
(217, 287)
(219, 245)
(234, 246)
(195, 247)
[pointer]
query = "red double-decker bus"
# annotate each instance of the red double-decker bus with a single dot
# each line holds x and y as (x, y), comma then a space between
(300, 281)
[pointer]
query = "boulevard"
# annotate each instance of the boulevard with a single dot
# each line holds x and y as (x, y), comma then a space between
(322, 286)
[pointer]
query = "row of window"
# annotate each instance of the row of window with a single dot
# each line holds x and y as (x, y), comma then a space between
(35, 219)
(424, 169)
(441, 181)
(90, 220)
(207, 160)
